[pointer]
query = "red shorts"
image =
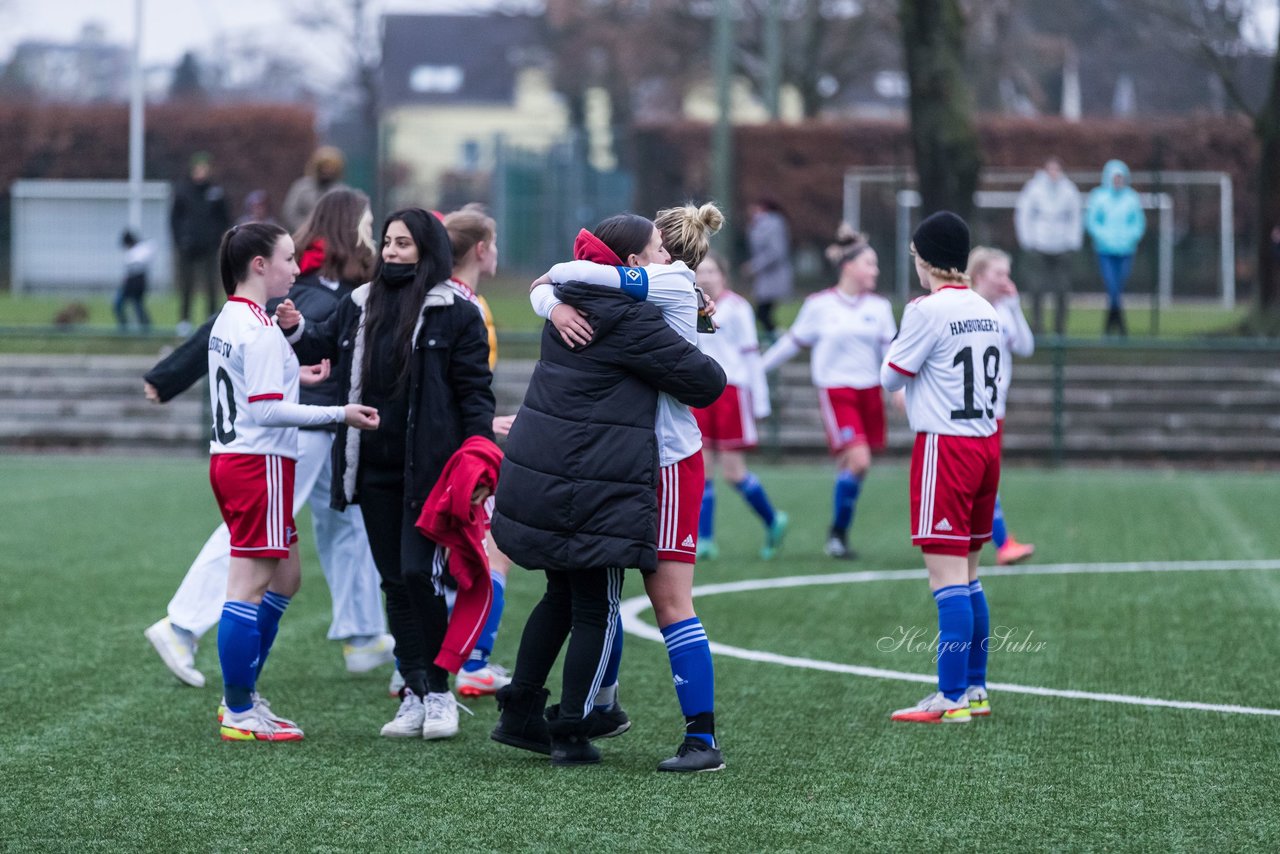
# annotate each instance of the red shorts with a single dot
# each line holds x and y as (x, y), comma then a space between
(728, 424)
(853, 416)
(255, 494)
(953, 492)
(679, 503)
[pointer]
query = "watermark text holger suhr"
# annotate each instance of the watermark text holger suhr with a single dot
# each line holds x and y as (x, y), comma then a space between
(919, 639)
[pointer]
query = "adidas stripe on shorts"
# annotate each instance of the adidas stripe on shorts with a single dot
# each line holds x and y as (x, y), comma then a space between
(679, 503)
(953, 491)
(255, 494)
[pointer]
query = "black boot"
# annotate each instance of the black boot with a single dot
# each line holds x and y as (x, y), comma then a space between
(570, 739)
(1121, 326)
(1112, 316)
(522, 723)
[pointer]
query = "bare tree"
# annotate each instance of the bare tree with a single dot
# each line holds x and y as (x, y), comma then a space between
(943, 136)
(1214, 32)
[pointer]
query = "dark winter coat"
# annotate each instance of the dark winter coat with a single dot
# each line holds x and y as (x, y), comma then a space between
(578, 485)
(189, 362)
(199, 217)
(450, 395)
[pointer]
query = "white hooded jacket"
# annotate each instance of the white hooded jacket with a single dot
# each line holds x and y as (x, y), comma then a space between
(1047, 216)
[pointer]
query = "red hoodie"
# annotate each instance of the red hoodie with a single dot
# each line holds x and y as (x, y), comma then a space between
(312, 257)
(450, 520)
(588, 247)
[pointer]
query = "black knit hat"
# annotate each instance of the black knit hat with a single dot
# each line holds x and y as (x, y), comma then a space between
(942, 241)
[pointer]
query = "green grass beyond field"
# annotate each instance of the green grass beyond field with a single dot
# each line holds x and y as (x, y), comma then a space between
(101, 749)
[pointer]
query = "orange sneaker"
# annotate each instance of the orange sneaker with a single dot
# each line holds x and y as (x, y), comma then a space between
(1013, 552)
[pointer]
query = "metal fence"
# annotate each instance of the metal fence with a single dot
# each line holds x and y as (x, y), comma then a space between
(541, 199)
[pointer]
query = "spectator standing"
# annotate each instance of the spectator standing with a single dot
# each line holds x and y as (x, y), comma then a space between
(769, 242)
(1116, 224)
(257, 208)
(198, 218)
(1047, 218)
(323, 173)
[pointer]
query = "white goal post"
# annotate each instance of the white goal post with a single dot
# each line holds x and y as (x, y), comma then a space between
(907, 198)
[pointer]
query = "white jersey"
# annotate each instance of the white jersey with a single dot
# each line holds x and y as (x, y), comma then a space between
(947, 354)
(736, 347)
(670, 288)
(1016, 339)
(253, 386)
(849, 336)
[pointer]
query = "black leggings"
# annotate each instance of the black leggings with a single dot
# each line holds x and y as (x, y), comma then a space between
(764, 314)
(582, 603)
(407, 563)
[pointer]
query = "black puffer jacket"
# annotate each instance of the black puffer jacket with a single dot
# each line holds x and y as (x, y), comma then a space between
(578, 486)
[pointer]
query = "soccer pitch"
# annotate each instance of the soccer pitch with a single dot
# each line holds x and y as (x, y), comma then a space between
(102, 749)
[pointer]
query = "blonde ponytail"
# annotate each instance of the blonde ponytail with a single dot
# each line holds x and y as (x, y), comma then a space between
(686, 231)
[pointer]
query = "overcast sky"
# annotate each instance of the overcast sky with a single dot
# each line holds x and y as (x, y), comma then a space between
(172, 27)
(175, 26)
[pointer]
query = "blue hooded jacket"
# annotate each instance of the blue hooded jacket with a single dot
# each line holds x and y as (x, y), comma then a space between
(1114, 217)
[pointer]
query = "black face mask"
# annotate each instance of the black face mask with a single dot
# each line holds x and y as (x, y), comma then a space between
(398, 275)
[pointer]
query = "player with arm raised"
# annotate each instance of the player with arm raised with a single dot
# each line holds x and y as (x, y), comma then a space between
(947, 356)
(253, 390)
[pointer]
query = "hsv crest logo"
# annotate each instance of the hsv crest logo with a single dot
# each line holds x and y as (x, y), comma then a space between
(633, 275)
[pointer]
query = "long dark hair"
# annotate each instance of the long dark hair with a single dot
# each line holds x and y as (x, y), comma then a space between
(335, 220)
(626, 234)
(395, 311)
(240, 245)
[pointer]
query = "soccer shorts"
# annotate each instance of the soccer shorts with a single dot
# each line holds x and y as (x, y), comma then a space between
(853, 416)
(255, 494)
(728, 424)
(679, 503)
(953, 492)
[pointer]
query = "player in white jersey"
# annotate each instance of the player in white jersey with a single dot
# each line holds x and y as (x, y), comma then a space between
(849, 328)
(253, 389)
(947, 356)
(989, 272)
(631, 252)
(729, 425)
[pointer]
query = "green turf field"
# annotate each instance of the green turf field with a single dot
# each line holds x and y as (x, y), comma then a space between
(102, 749)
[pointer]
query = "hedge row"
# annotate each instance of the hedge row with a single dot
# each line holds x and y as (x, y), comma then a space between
(253, 145)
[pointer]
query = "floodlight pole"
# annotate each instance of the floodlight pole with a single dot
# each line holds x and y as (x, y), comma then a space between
(136, 124)
(773, 58)
(722, 136)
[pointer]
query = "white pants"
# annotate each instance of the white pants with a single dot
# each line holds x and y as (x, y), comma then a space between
(341, 542)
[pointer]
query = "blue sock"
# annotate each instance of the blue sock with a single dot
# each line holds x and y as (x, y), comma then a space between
(692, 671)
(489, 634)
(607, 696)
(707, 515)
(981, 631)
(955, 636)
(269, 614)
(845, 498)
(999, 534)
(238, 648)
(753, 493)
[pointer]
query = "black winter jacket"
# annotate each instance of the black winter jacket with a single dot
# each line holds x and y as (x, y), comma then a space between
(189, 362)
(198, 217)
(578, 485)
(450, 391)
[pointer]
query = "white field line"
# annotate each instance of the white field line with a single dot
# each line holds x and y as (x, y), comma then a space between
(631, 609)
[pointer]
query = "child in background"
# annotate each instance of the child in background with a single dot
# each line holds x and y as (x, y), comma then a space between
(137, 260)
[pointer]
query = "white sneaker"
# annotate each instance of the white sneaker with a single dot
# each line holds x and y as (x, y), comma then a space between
(370, 653)
(254, 724)
(408, 720)
(397, 684)
(935, 709)
(177, 650)
(441, 720)
(979, 702)
(260, 703)
(480, 683)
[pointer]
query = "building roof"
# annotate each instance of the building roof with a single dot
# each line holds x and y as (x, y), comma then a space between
(457, 59)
